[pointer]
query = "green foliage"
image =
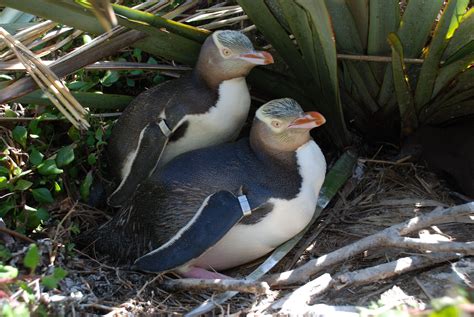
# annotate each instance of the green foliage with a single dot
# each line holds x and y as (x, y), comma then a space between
(5, 253)
(314, 65)
(48, 160)
(376, 95)
(8, 272)
(42, 195)
(49, 167)
(21, 310)
(85, 188)
(65, 156)
(51, 281)
(22, 184)
(32, 258)
(20, 134)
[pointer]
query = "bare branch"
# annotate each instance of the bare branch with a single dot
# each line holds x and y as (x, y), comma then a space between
(387, 237)
(297, 301)
(391, 269)
(219, 285)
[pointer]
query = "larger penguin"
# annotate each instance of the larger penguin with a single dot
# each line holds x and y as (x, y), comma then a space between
(189, 216)
(207, 107)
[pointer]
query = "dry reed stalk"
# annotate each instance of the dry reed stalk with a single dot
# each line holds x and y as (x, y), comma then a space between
(52, 86)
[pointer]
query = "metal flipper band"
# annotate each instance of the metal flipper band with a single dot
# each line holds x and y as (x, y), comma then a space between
(164, 128)
(244, 205)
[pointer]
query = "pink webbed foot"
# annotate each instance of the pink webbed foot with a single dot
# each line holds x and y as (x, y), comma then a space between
(197, 272)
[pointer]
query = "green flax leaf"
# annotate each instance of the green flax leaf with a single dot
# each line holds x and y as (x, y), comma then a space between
(439, 41)
(402, 87)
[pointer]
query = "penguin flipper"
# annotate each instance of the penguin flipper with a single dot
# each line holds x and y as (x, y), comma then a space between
(150, 148)
(217, 215)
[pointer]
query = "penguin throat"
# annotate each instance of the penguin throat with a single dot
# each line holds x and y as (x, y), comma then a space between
(268, 148)
(213, 74)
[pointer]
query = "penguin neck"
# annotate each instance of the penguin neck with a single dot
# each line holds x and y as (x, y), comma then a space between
(206, 76)
(213, 76)
(277, 156)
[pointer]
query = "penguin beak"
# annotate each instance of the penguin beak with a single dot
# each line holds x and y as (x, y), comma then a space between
(311, 119)
(257, 58)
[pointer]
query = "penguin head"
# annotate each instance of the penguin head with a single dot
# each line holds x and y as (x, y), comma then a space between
(282, 125)
(229, 54)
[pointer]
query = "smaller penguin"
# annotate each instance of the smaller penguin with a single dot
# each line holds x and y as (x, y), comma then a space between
(206, 108)
(222, 206)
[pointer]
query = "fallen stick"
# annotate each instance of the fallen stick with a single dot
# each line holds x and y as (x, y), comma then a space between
(218, 285)
(391, 269)
(388, 237)
(15, 234)
(298, 300)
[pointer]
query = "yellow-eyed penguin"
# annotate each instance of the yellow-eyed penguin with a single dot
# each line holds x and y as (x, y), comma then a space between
(206, 108)
(222, 206)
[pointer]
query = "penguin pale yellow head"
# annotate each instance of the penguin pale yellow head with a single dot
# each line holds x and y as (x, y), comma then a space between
(282, 125)
(229, 54)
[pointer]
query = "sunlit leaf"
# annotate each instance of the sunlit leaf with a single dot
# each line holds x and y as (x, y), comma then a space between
(32, 257)
(439, 41)
(415, 28)
(51, 281)
(3, 182)
(109, 78)
(7, 272)
(49, 167)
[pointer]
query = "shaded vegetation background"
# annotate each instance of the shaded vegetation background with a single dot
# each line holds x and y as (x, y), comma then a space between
(47, 166)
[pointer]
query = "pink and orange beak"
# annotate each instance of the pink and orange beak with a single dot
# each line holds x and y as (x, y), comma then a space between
(311, 119)
(257, 58)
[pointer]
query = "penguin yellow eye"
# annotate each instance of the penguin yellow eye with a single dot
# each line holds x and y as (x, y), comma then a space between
(226, 52)
(276, 124)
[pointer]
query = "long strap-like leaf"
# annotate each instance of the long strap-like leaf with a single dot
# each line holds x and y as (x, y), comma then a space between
(439, 42)
(420, 16)
(402, 87)
(336, 177)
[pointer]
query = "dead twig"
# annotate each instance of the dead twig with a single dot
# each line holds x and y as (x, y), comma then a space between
(218, 285)
(52, 86)
(17, 235)
(388, 237)
(297, 301)
(391, 269)
(104, 65)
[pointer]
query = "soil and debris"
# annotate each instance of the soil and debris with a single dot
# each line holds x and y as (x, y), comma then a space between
(386, 193)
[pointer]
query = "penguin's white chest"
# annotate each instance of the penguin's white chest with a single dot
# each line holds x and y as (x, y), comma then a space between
(222, 123)
(244, 243)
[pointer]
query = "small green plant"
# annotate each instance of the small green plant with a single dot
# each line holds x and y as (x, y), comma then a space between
(32, 258)
(51, 281)
(41, 164)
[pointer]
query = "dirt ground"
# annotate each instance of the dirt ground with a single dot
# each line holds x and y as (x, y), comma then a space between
(383, 194)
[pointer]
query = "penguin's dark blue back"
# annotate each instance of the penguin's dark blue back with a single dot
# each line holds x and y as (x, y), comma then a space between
(171, 196)
(230, 167)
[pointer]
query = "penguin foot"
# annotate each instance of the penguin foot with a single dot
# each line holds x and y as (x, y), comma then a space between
(200, 273)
